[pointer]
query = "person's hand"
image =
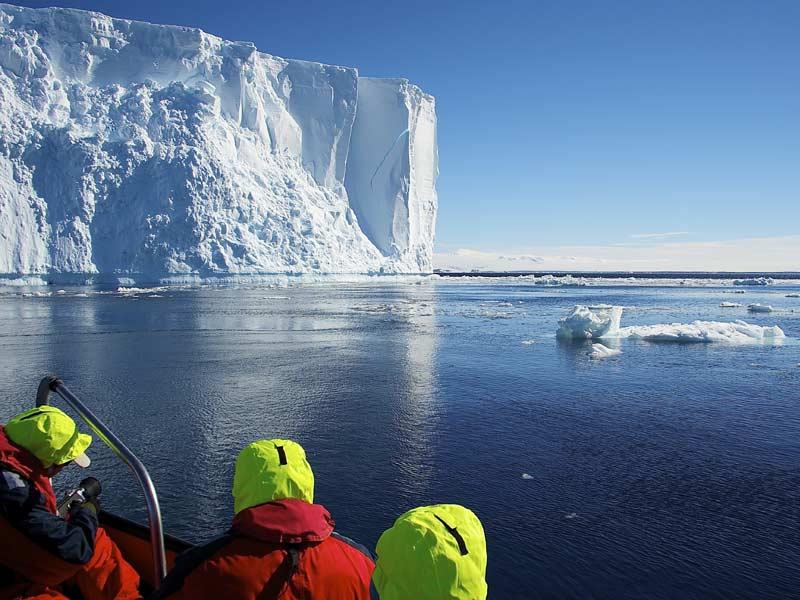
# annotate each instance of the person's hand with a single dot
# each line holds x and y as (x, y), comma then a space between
(93, 504)
(90, 504)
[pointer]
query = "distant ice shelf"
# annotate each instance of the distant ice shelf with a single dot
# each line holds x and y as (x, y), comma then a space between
(143, 150)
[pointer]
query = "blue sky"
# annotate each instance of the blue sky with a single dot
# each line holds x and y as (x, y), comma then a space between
(568, 128)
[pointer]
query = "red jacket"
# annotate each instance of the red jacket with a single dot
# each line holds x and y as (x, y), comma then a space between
(19, 554)
(283, 550)
(39, 550)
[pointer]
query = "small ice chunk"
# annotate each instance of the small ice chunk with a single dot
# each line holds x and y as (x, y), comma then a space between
(590, 322)
(599, 351)
(526, 476)
(571, 515)
(759, 308)
(528, 342)
(730, 304)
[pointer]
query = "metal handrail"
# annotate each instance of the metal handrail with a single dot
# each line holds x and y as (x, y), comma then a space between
(51, 383)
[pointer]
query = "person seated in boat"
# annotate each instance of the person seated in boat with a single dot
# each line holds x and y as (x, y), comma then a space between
(280, 544)
(432, 553)
(43, 555)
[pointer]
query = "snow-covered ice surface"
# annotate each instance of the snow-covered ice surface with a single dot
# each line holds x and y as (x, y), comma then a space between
(737, 332)
(145, 150)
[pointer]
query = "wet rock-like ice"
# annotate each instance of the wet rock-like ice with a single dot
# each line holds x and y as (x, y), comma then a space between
(600, 351)
(760, 308)
(754, 281)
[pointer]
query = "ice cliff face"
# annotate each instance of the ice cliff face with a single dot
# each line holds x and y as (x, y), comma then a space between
(391, 175)
(132, 148)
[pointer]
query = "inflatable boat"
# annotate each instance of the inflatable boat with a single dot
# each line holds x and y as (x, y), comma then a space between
(145, 547)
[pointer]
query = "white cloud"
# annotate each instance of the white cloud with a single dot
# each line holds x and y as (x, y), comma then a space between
(657, 236)
(522, 258)
(747, 254)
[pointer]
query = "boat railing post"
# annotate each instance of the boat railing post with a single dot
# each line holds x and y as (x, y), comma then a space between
(51, 383)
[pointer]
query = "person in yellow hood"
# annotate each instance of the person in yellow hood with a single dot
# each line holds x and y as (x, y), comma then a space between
(281, 546)
(39, 550)
(432, 553)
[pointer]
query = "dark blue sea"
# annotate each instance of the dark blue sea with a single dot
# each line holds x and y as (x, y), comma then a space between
(669, 471)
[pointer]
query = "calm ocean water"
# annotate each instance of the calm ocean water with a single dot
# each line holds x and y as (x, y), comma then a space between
(670, 471)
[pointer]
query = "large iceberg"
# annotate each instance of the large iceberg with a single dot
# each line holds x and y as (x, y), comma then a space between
(139, 149)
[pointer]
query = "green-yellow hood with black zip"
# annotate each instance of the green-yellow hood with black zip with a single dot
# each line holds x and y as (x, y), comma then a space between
(270, 470)
(432, 553)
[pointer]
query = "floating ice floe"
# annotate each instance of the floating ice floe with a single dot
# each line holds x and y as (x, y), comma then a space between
(730, 305)
(492, 314)
(599, 351)
(150, 292)
(131, 290)
(528, 342)
(760, 308)
(526, 476)
(754, 281)
(584, 323)
(406, 308)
